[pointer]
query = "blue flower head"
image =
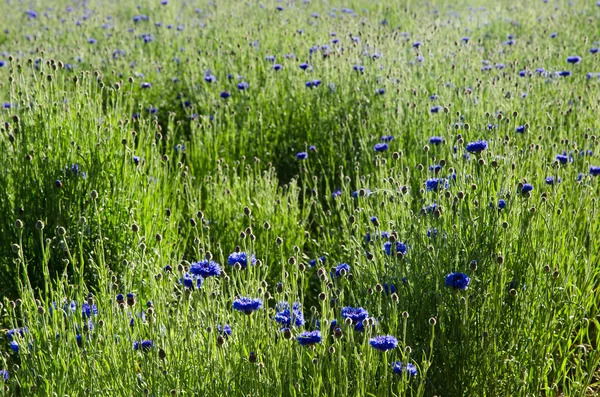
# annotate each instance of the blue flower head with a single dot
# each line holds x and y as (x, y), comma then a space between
(302, 155)
(564, 159)
(528, 187)
(436, 109)
(4, 375)
(381, 147)
(436, 140)
(144, 345)
(594, 170)
(14, 346)
(225, 330)
(501, 204)
(242, 258)
(574, 59)
(383, 343)
(457, 281)
(247, 305)
(287, 317)
(435, 184)
(205, 268)
(408, 368)
(357, 314)
(399, 246)
(308, 338)
(477, 146)
(242, 86)
(341, 268)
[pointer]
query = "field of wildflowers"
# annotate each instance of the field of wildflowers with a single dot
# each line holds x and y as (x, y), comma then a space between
(299, 198)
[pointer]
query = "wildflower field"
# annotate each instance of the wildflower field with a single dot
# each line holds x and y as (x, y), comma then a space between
(299, 198)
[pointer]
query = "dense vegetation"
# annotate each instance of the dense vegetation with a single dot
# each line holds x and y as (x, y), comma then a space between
(405, 192)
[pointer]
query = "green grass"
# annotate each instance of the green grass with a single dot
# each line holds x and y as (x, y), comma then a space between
(200, 176)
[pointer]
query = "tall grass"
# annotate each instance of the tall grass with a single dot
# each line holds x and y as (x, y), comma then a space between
(113, 186)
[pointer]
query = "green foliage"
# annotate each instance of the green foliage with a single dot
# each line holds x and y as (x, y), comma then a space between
(111, 188)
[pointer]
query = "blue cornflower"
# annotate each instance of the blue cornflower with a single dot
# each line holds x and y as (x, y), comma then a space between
(242, 258)
(477, 146)
(553, 35)
(342, 268)
(400, 247)
(225, 330)
(430, 208)
(387, 138)
(380, 91)
(409, 368)
(500, 66)
(551, 180)
(191, 281)
(374, 220)
(357, 314)
(359, 68)
(247, 305)
(308, 338)
(31, 14)
(144, 345)
(14, 346)
(336, 193)
(501, 204)
(302, 155)
(528, 187)
(136, 160)
(564, 159)
(312, 148)
(287, 317)
(304, 66)
(434, 184)
(417, 44)
(432, 232)
(91, 40)
(242, 86)
(383, 343)
(10, 334)
(277, 67)
(209, 78)
(594, 170)
(224, 94)
(313, 83)
(520, 129)
(4, 375)
(564, 73)
(436, 140)
(435, 168)
(436, 109)
(466, 39)
(381, 147)
(594, 50)
(87, 310)
(389, 288)
(270, 58)
(205, 268)
(458, 281)
(574, 59)
(523, 73)
(120, 298)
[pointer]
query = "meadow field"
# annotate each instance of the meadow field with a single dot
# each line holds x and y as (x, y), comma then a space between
(299, 198)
